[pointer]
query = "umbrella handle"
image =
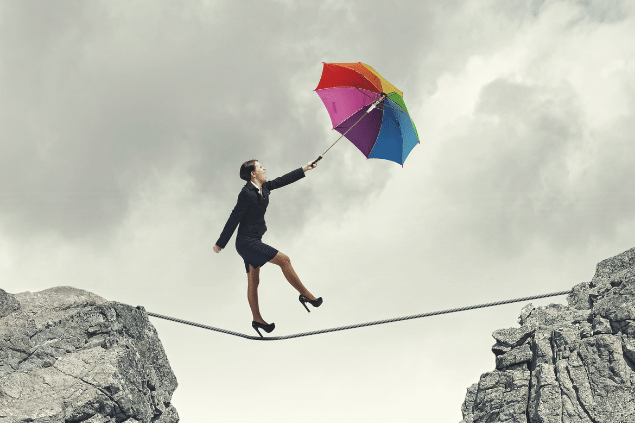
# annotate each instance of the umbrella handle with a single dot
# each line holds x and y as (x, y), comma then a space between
(318, 159)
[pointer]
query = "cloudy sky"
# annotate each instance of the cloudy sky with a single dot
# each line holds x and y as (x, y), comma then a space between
(124, 125)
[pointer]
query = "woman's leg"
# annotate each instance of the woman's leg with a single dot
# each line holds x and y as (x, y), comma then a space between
(284, 262)
(253, 279)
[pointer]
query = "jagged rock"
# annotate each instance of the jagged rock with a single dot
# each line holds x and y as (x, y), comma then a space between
(579, 297)
(524, 313)
(67, 355)
(510, 338)
(586, 330)
(8, 303)
(468, 404)
(502, 396)
(519, 355)
(601, 325)
(566, 364)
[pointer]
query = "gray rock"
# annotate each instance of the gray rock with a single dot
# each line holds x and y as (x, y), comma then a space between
(67, 355)
(566, 364)
(524, 313)
(601, 325)
(506, 339)
(579, 297)
(586, 330)
(564, 341)
(468, 404)
(518, 355)
(8, 303)
(502, 396)
(545, 403)
(541, 348)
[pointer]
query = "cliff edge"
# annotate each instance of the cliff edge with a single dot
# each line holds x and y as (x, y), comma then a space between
(566, 364)
(67, 355)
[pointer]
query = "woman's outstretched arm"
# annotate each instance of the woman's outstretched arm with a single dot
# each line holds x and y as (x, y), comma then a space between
(289, 178)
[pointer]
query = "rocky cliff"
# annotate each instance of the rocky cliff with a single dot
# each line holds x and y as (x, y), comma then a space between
(68, 355)
(566, 364)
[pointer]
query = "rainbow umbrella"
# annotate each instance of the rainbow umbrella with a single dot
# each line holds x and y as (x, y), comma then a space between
(354, 93)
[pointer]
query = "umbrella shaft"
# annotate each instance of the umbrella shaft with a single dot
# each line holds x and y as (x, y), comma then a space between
(367, 111)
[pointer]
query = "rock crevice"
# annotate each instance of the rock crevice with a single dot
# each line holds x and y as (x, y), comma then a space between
(566, 364)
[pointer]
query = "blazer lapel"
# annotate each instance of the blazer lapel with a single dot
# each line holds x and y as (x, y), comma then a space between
(260, 198)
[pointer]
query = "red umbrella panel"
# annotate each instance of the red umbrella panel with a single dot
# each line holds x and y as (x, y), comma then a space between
(369, 110)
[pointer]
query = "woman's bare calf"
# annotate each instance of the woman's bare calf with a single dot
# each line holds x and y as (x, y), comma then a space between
(284, 262)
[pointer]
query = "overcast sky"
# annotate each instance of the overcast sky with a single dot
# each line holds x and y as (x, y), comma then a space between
(123, 126)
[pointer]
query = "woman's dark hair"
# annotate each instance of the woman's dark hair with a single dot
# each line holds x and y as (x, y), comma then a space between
(246, 169)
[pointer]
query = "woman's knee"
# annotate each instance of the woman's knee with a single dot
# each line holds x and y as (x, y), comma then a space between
(281, 259)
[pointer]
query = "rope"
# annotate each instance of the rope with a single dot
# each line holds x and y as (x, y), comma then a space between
(379, 322)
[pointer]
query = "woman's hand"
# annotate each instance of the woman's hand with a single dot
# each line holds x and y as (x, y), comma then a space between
(309, 166)
(217, 249)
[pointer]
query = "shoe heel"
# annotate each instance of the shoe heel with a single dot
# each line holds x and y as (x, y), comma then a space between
(253, 325)
(303, 302)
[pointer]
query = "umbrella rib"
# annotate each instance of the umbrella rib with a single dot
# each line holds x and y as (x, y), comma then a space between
(376, 137)
(366, 81)
(390, 115)
(399, 109)
(374, 144)
(400, 132)
(358, 89)
(362, 91)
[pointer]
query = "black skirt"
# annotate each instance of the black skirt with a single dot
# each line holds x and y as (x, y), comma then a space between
(254, 251)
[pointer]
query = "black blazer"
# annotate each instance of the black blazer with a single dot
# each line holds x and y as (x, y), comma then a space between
(251, 207)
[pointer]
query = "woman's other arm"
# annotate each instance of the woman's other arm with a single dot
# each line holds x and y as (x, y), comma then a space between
(242, 205)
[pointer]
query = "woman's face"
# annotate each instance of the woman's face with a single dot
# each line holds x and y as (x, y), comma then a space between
(259, 173)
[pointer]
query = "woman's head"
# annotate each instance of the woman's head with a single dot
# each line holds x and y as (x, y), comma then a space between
(252, 168)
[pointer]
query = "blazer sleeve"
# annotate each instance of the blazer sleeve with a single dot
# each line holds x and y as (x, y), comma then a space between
(234, 219)
(283, 180)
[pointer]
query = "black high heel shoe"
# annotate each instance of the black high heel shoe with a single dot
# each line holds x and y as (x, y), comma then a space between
(268, 328)
(314, 303)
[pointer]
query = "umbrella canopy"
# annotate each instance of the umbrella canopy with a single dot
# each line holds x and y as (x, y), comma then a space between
(368, 110)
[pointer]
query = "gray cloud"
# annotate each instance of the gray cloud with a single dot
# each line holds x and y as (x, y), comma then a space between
(597, 11)
(515, 170)
(100, 95)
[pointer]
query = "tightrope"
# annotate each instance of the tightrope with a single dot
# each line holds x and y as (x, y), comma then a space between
(379, 322)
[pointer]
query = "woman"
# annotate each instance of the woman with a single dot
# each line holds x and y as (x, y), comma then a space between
(250, 214)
